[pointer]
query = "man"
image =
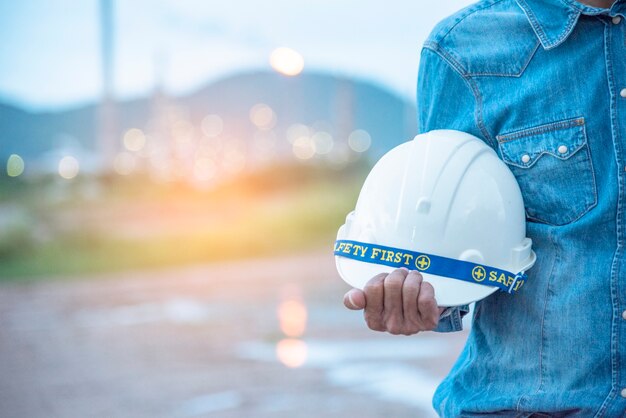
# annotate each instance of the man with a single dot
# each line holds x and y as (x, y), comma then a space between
(543, 82)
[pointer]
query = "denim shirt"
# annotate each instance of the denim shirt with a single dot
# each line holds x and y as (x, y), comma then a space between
(543, 82)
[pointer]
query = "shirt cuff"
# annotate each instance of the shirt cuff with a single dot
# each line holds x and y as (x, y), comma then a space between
(451, 319)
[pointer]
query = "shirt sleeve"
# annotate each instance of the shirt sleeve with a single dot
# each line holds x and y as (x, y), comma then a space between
(445, 100)
(452, 319)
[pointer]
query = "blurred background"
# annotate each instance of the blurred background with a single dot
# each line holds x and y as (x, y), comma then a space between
(172, 177)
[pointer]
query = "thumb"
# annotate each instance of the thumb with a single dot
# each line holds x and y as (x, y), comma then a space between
(354, 299)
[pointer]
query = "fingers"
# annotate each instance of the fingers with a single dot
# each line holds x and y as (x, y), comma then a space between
(354, 299)
(393, 315)
(427, 306)
(400, 302)
(410, 293)
(374, 299)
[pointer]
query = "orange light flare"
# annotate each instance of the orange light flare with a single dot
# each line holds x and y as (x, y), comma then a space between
(291, 352)
(292, 316)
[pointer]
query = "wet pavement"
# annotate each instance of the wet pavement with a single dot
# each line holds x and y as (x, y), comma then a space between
(255, 338)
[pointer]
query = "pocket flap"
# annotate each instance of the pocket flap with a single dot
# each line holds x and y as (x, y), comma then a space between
(560, 139)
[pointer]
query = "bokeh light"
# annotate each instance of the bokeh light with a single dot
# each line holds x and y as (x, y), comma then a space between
(287, 61)
(323, 142)
(340, 156)
(262, 116)
(124, 163)
(68, 167)
(204, 169)
(360, 140)
(212, 126)
(233, 160)
(292, 316)
(291, 352)
(182, 131)
(134, 139)
(264, 146)
(15, 165)
(303, 148)
(297, 130)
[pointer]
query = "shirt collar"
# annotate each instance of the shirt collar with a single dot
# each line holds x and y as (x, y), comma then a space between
(554, 20)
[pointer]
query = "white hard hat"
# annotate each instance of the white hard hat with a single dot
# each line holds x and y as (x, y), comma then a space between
(443, 204)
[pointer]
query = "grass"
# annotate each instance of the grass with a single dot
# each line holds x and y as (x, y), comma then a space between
(278, 211)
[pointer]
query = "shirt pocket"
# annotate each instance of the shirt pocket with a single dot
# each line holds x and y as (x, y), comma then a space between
(553, 167)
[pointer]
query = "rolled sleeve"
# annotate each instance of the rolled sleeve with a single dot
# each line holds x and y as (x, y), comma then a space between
(452, 319)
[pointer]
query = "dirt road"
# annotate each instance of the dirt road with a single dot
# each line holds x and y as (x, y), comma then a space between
(258, 338)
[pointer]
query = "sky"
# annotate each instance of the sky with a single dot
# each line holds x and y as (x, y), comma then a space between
(50, 55)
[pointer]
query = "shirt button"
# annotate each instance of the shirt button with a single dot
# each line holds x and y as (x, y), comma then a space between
(623, 93)
(616, 20)
(525, 158)
(624, 315)
(562, 149)
(623, 393)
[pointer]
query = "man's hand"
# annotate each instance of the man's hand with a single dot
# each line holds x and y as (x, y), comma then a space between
(399, 302)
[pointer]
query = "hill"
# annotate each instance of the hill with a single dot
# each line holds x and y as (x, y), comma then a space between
(333, 104)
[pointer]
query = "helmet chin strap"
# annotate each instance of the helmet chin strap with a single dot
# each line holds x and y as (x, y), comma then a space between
(467, 271)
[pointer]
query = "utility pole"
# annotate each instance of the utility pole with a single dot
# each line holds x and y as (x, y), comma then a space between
(107, 132)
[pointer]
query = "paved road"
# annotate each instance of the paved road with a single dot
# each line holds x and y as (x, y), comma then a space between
(258, 338)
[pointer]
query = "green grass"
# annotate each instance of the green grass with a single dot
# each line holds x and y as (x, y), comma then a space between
(274, 213)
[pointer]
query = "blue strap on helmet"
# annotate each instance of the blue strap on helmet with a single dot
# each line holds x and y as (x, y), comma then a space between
(432, 264)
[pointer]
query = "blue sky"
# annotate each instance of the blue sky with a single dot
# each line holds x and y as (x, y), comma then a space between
(50, 53)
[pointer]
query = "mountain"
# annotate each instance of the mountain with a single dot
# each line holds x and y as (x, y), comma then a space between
(333, 104)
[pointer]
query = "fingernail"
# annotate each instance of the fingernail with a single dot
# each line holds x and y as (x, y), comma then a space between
(351, 301)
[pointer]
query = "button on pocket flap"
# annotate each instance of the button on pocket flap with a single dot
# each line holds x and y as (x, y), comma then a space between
(560, 139)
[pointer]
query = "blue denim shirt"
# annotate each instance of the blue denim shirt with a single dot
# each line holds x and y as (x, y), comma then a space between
(544, 84)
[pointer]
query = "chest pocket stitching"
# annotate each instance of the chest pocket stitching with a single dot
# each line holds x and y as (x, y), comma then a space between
(512, 145)
(555, 126)
(535, 142)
